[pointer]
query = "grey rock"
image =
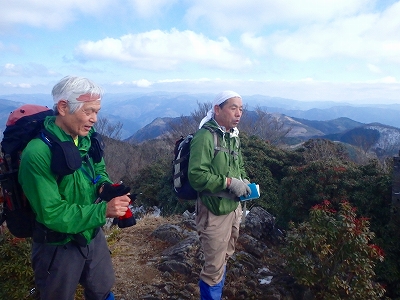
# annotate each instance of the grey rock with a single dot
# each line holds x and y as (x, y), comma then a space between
(168, 233)
(254, 260)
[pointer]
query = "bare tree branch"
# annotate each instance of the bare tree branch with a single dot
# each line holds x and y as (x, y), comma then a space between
(105, 128)
(188, 124)
(265, 125)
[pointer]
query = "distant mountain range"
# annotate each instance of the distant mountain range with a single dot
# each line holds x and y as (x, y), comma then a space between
(145, 116)
(300, 128)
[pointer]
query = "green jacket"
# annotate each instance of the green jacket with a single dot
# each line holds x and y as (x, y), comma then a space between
(208, 173)
(67, 206)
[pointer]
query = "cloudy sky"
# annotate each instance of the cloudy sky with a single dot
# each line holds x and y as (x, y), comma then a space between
(340, 50)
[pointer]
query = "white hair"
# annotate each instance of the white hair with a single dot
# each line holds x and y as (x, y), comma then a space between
(70, 88)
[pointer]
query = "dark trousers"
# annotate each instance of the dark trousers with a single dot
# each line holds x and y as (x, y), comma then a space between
(59, 269)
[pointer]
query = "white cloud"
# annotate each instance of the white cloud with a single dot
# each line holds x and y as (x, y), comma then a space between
(388, 79)
(308, 79)
(48, 13)
(151, 8)
(256, 14)
(162, 50)
(17, 85)
(221, 15)
(172, 80)
(10, 70)
(25, 85)
(363, 37)
(118, 83)
(258, 45)
(142, 83)
(289, 48)
(28, 70)
(374, 69)
(11, 48)
(341, 37)
(326, 29)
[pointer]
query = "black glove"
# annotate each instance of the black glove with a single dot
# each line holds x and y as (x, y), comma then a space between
(113, 190)
(239, 188)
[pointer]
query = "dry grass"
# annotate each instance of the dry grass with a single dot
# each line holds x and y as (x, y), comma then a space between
(133, 250)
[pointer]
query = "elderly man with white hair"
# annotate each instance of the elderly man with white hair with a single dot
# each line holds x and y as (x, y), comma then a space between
(220, 179)
(69, 246)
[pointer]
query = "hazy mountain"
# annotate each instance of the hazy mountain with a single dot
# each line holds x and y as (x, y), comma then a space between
(135, 111)
(382, 139)
(388, 115)
(299, 128)
(153, 130)
(6, 106)
(330, 126)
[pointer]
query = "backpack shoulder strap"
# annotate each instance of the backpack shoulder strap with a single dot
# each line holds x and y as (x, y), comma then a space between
(217, 146)
(49, 139)
(65, 156)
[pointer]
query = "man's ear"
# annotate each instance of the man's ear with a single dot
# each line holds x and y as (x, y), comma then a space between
(62, 107)
(217, 109)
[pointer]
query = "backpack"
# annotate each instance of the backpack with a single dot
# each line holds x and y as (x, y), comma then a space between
(24, 124)
(182, 188)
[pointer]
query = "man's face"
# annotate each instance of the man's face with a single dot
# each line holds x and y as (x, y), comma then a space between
(82, 120)
(229, 115)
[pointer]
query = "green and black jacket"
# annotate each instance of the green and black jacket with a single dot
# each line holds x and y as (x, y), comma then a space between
(65, 205)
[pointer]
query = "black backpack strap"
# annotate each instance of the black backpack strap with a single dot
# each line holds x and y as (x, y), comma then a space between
(217, 146)
(65, 156)
(97, 146)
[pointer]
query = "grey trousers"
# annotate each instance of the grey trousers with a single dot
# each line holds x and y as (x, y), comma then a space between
(59, 269)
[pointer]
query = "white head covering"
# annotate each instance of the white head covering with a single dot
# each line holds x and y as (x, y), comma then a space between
(220, 98)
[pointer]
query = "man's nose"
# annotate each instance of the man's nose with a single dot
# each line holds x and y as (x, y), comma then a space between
(93, 118)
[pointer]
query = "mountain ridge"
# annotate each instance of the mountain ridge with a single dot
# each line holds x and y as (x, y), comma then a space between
(139, 113)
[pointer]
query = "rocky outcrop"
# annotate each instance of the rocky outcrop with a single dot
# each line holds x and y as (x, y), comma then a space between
(255, 271)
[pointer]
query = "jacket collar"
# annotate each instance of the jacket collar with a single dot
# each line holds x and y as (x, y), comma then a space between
(233, 133)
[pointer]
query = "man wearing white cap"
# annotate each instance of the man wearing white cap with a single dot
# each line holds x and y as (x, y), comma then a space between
(68, 245)
(220, 179)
